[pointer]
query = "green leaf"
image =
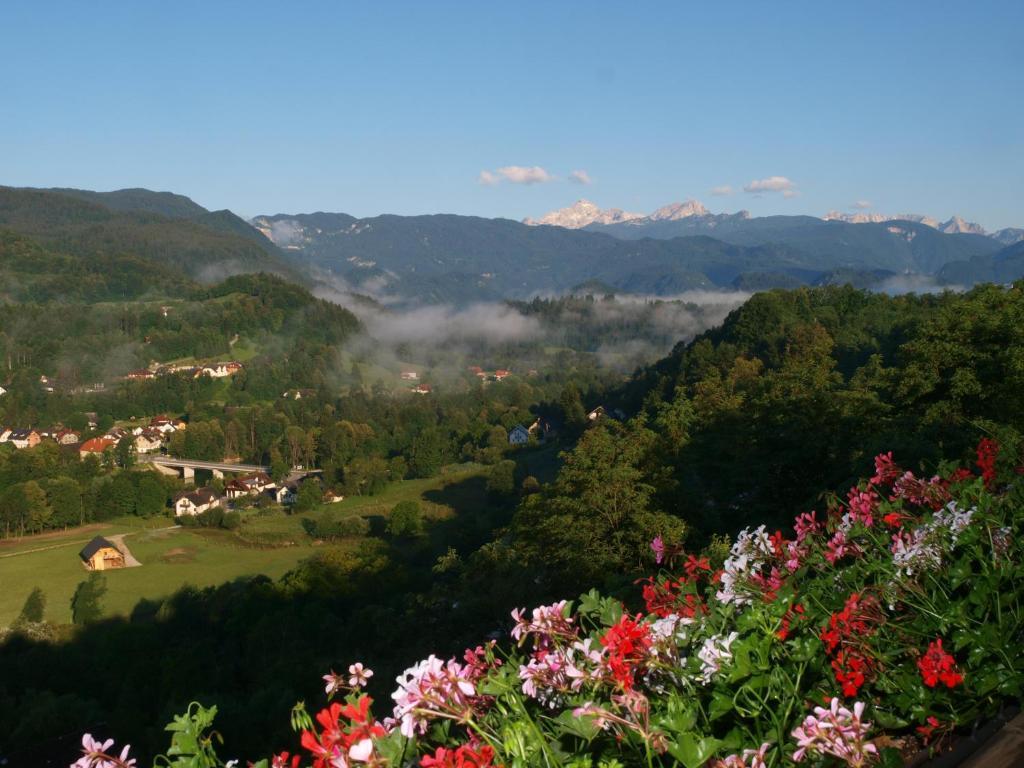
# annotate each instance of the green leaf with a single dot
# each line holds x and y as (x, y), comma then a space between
(693, 751)
(720, 705)
(584, 727)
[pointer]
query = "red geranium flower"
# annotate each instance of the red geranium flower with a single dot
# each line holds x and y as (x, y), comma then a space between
(938, 666)
(465, 756)
(628, 643)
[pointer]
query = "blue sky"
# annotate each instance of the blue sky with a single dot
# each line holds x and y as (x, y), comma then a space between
(382, 107)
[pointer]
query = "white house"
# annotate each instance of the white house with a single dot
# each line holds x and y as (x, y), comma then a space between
(410, 376)
(248, 485)
(148, 440)
(219, 370)
(196, 502)
(518, 435)
(281, 494)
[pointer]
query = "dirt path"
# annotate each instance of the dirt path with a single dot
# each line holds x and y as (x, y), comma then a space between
(118, 541)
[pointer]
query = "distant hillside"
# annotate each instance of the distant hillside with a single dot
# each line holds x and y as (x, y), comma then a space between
(465, 258)
(894, 245)
(1004, 266)
(157, 227)
(139, 200)
(32, 272)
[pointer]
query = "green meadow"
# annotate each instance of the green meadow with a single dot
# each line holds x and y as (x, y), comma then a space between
(173, 557)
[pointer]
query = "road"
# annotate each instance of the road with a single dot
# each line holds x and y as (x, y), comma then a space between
(221, 466)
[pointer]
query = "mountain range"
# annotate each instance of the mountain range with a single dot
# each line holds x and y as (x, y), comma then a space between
(84, 245)
(584, 213)
(679, 247)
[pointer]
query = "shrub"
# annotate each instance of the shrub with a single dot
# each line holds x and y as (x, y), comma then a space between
(406, 519)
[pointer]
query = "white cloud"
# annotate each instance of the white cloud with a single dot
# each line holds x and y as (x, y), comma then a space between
(515, 174)
(721, 191)
(579, 177)
(519, 174)
(862, 205)
(771, 184)
(788, 193)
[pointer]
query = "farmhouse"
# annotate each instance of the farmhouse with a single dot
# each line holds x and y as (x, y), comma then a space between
(66, 436)
(96, 445)
(501, 374)
(196, 502)
(101, 555)
(422, 389)
(518, 435)
(219, 370)
(24, 438)
(281, 494)
(148, 440)
(410, 376)
(248, 485)
(544, 428)
(140, 375)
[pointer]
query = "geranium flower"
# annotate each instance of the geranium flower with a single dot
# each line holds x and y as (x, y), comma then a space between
(96, 754)
(938, 666)
(835, 731)
(359, 675)
(465, 756)
(988, 452)
(628, 644)
(658, 547)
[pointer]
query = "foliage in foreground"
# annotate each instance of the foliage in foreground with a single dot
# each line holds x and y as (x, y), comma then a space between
(889, 621)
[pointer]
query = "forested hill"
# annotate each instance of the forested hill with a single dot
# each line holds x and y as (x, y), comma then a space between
(293, 339)
(797, 387)
(108, 230)
(32, 272)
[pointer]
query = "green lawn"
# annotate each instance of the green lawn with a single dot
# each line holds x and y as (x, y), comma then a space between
(200, 557)
(170, 559)
(439, 498)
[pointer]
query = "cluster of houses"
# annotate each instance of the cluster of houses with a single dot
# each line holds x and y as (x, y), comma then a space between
(497, 375)
(146, 439)
(213, 370)
(253, 485)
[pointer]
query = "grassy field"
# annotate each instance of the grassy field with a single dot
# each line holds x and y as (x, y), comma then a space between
(172, 558)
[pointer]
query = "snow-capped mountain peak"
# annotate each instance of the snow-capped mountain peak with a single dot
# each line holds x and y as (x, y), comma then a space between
(581, 214)
(676, 211)
(957, 225)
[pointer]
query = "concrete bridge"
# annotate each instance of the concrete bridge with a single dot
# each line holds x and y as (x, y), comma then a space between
(186, 468)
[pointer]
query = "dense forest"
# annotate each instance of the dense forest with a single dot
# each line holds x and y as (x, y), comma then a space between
(744, 425)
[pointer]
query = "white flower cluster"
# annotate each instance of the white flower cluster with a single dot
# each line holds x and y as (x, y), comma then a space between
(746, 557)
(923, 547)
(715, 651)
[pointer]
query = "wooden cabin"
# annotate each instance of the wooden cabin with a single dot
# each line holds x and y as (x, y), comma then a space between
(101, 555)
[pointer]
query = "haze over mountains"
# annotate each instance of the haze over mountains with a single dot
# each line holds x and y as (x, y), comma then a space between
(67, 243)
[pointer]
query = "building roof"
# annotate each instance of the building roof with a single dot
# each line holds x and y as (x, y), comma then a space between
(96, 445)
(198, 497)
(95, 546)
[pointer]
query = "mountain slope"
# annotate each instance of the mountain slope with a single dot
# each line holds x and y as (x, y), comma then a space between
(1005, 266)
(202, 246)
(467, 258)
(32, 272)
(893, 245)
(474, 258)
